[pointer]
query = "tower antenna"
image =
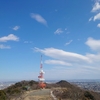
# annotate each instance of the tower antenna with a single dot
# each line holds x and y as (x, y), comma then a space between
(41, 76)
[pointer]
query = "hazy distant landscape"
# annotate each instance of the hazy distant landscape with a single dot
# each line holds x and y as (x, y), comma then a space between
(61, 90)
(87, 84)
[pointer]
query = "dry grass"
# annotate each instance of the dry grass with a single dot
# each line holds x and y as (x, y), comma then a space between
(40, 98)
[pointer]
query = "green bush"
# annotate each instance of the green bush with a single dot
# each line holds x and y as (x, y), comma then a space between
(89, 95)
(2, 95)
(15, 91)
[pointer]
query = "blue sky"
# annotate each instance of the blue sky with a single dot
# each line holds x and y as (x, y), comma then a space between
(65, 32)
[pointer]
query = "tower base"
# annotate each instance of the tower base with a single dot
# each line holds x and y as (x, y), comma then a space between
(42, 85)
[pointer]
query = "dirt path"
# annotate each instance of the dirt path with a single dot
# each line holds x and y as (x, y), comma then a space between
(41, 94)
(52, 95)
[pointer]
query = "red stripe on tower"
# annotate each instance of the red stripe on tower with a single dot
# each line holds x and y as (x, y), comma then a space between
(39, 76)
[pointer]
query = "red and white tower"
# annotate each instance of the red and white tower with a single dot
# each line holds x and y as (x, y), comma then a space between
(41, 76)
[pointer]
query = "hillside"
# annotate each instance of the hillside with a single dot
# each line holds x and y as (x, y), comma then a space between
(71, 92)
(62, 91)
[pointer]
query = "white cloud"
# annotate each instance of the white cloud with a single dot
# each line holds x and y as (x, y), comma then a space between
(93, 44)
(39, 18)
(82, 66)
(27, 41)
(16, 28)
(98, 25)
(97, 17)
(10, 37)
(58, 31)
(58, 62)
(94, 57)
(68, 42)
(96, 7)
(63, 55)
(77, 71)
(4, 46)
(90, 19)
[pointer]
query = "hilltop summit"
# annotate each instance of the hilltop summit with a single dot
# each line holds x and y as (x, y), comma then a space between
(62, 90)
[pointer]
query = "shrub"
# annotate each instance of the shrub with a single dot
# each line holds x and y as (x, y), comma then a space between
(2, 95)
(89, 95)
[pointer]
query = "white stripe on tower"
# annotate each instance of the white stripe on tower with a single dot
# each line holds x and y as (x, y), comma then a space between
(41, 62)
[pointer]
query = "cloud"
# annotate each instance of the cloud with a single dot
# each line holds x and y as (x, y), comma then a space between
(16, 28)
(58, 31)
(10, 37)
(63, 55)
(68, 42)
(98, 25)
(94, 58)
(90, 19)
(27, 41)
(93, 44)
(73, 65)
(97, 17)
(4, 46)
(58, 62)
(39, 18)
(81, 72)
(96, 7)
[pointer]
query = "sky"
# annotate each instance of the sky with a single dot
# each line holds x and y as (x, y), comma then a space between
(65, 32)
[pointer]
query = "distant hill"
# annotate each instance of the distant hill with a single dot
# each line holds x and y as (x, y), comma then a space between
(71, 92)
(63, 90)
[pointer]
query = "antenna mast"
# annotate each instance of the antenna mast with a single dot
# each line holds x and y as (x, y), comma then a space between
(41, 76)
